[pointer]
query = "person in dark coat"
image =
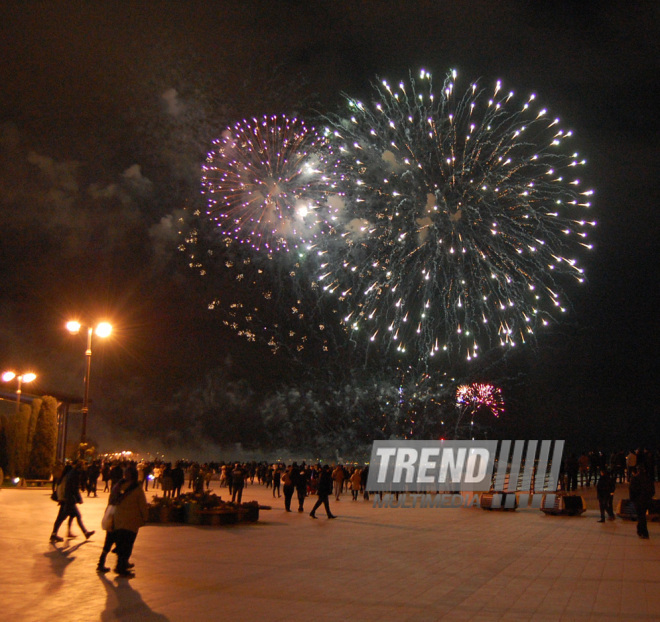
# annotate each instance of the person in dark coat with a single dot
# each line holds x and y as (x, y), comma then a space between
(93, 473)
(572, 467)
(178, 479)
(641, 492)
(289, 480)
(238, 482)
(68, 504)
(277, 476)
(605, 491)
(324, 491)
(301, 487)
(116, 475)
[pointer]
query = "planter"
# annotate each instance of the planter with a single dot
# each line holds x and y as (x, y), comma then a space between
(154, 514)
(248, 514)
(218, 517)
(505, 501)
(564, 505)
(191, 512)
(654, 510)
(177, 514)
(626, 509)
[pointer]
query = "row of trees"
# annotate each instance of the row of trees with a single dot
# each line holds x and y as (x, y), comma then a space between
(28, 439)
(312, 414)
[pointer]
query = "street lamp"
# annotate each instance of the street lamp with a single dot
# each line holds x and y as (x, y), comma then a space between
(8, 376)
(103, 329)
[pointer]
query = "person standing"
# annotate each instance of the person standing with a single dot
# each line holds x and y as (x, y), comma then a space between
(641, 492)
(276, 480)
(605, 491)
(178, 479)
(324, 491)
(356, 482)
(93, 473)
(288, 486)
(238, 482)
(572, 468)
(130, 514)
(631, 464)
(301, 487)
(338, 478)
(69, 486)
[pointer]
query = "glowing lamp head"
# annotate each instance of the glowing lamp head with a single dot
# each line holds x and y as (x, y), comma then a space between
(103, 329)
(29, 377)
(73, 327)
(8, 375)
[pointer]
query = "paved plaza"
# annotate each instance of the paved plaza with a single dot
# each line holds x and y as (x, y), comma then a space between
(369, 564)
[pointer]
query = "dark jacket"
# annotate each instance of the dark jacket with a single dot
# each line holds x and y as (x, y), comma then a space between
(605, 486)
(325, 483)
(642, 488)
(72, 494)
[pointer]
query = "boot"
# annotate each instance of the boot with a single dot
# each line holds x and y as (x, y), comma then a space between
(101, 567)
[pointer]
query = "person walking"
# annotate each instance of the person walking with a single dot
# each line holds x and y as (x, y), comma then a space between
(69, 497)
(130, 514)
(641, 492)
(605, 491)
(324, 491)
(110, 529)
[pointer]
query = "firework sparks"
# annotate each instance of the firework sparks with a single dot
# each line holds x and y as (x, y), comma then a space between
(463, 216)
(265, 185)
(473, 397)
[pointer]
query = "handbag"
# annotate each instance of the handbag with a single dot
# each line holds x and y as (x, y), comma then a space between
(108, 520)
(60, 491)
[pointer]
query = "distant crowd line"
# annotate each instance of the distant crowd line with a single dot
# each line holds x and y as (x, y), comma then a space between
(585, 469)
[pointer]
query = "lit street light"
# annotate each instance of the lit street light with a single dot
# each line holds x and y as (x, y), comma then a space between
(103, 329)
(8, 376)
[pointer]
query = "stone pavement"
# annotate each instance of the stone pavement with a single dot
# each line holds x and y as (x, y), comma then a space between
(369, 564)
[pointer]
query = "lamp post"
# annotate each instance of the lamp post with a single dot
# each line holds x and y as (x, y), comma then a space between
(21, 378)
(103, 329)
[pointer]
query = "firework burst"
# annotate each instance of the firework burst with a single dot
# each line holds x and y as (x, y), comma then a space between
(474, 398)
(463, 216)
(264, 183)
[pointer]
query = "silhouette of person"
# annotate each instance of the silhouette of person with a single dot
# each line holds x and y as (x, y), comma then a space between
(324, 491)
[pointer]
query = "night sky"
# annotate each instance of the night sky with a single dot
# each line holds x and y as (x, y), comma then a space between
(108, 109)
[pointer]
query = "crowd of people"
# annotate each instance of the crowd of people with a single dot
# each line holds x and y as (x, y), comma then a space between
(127, 483)
(584, 470)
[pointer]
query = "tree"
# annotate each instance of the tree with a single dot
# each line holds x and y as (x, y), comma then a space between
(17, 437)
(32, 424)
(42, 454)
(4, 456)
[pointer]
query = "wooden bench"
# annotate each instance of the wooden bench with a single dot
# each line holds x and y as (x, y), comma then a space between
(35, 482)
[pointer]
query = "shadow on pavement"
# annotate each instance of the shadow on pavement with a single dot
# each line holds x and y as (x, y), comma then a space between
(61, 556)
(125, 603)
